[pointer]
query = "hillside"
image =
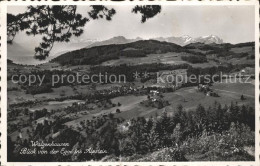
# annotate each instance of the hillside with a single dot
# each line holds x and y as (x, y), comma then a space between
(114, 40)
(153, 51)
(99, 54)
(245, 51)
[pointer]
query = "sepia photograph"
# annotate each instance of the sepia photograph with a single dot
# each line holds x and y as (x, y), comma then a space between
(131, 83)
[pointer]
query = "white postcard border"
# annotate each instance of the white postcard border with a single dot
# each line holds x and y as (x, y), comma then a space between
(3, 73)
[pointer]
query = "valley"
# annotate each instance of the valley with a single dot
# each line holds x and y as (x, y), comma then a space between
(93, 110)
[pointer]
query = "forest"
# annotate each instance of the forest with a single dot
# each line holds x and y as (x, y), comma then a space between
(213, 130)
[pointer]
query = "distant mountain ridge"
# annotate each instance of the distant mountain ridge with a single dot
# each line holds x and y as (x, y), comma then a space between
(113, 40)
(185, 40)
(182, 41)
(24, 54)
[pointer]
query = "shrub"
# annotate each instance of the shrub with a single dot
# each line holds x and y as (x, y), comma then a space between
(222, 146)
(164, 155)
(38, 89)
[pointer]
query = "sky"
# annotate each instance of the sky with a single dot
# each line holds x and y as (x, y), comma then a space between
(234, 24)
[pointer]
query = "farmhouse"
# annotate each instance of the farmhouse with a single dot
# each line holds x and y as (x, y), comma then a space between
(154, 92)
(204, 88)
(124, 126)
(248, 70)
(207, 91)
(44, 119)
(172, 77)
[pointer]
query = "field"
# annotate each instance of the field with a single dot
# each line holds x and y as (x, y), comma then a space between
(188, 97)
(167, 58)
(247, 89)
(127, 104)
(54, 105)
(247, 49)
(18, 96)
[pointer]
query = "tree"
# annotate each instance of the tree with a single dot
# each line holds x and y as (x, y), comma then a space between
(53, 23)
(111, 116)
(242, 97)
(59, 23)
(152, 138)
(200, 117)
(177, 135)
(118, 111)
(14, 25)
(178, 116)
(147, 11)
(126, 147)
(160, 105)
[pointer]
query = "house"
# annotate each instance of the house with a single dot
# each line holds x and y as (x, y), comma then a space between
(204, 88)
(154, 99)
(124, 126)
(211, 93)
(154, 92)
(44, 119)
(208, 93)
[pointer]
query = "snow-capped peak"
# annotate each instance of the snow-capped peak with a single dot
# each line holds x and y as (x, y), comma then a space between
(185, 36)
(186, 39)
(209, 39)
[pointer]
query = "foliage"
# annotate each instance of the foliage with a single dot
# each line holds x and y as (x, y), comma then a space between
(14, 25)
(147, 11)
(38, 89)
(53, 23)
(221, 146)
(205, 131)
(58, 23)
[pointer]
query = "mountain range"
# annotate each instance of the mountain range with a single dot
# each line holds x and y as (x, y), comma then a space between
(114, 40)
(23, 53)
(182, 41)
(147, 50)
(185, 40)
